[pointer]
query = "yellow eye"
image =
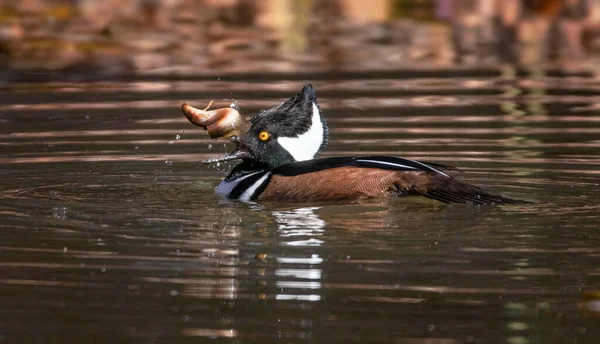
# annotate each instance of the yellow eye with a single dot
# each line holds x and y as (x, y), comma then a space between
(264, 136)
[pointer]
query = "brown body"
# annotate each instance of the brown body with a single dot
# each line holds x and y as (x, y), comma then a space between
(359, 183)
(332, 184)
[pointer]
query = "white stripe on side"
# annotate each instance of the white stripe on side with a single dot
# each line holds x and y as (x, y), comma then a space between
(435, 169)
(402, 166)
(386, 163)
(252, 189)
(226, 187)
(305, 146)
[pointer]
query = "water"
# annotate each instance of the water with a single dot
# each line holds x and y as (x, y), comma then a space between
(110, 230)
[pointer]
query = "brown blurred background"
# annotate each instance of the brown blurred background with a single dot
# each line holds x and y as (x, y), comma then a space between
(200, 36)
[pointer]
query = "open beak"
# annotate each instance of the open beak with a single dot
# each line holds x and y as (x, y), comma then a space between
(240, 153)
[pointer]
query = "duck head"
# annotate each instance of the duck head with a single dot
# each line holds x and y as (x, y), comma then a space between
(293, 131)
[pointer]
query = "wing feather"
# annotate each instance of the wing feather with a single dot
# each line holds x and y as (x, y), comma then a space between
(448, 189)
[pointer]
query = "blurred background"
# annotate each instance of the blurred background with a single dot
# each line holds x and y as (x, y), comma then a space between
(200, 36)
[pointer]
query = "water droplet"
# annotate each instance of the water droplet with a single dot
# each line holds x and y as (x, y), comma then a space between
(59, 212)
(177, 137)
(87, 117)
(136, 147)
(168, 162)
(65, 249)
(171, 142)
(210, 146)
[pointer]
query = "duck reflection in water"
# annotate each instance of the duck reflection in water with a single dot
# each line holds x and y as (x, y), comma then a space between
(300, 222)
(299, 277)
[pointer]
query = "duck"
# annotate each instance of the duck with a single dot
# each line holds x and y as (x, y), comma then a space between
(279, 149)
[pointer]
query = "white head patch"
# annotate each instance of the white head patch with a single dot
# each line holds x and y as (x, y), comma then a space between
(306, 146)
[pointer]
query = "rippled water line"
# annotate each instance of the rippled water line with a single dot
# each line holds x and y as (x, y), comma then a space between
(363, 142)
(51, 250)
(119, 156)
(104, 255)
(90, 133)
(334, 93)
(466, 119)
(66, 284)
(439, 289)
(412, 130)
(88, 266)
(353, 84)
(78, 141)
(354, 103)
(470, 131)
(459, 140)
(462, 271)
(281, 86)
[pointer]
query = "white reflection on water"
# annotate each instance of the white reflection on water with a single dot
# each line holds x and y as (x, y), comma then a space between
(301, 222)
(314, 259)
(313, 274)
(210, 333)
(298, 285)
(298, 297)
(309, 242)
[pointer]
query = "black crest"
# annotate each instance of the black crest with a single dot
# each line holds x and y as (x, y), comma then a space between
(293, 117)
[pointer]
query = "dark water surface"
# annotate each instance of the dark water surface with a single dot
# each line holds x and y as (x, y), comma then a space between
(110, 231)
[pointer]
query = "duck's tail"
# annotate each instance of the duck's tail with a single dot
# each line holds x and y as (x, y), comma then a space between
(449, 190)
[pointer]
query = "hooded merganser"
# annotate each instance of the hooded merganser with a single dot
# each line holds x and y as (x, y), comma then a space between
(278, 148)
